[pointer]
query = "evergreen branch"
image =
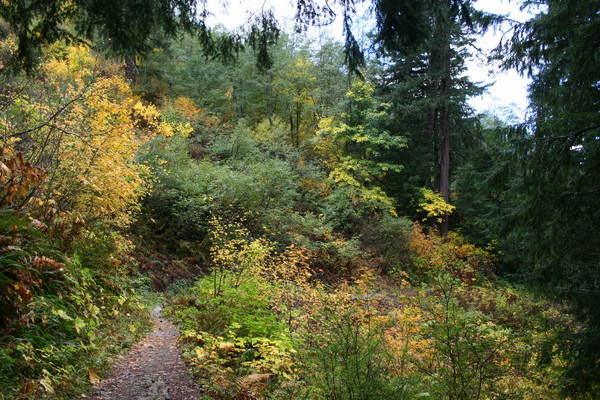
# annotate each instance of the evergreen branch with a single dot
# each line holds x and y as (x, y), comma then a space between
(571, 135)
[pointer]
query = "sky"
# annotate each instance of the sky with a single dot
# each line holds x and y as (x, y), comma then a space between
(508, 88)
(507, 91)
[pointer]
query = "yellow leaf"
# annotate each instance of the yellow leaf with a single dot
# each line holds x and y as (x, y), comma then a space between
(45, 382)
(94, 378)
(63, 315)
(79, 325)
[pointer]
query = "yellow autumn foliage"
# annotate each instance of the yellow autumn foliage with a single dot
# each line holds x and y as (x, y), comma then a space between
(433, 205)
(81, 124)
(94, 141)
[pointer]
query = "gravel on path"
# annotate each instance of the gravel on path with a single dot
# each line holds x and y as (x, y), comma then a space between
(152, 370)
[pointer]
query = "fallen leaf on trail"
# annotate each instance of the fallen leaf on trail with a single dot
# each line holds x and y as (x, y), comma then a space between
(94, 378)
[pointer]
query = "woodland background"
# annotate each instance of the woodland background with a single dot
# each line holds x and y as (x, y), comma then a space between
(324, 220)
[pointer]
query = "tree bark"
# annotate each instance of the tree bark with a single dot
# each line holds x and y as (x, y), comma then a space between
(445, 131)
(131, 70)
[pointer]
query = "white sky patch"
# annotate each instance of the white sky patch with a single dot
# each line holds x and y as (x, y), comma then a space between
(235, 14)
(507, 91)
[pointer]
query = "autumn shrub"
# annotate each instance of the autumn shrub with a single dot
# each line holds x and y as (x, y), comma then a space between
(245, 323)
(17, 279)
(332, 252)
(183, 113)
(268, 325)
(343, 349)
(77, 128)
(489, 345)
(350, 361)
(483, 340)
(453, 254)
(234, 339)
(470, 350)
(61, 318)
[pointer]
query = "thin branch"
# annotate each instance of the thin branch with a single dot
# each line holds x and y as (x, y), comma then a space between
(53, 116)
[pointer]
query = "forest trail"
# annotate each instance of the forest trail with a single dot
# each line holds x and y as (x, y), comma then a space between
(152, 370)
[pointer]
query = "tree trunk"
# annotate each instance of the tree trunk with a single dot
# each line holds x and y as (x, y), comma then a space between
(269, 90)
(444, 140)
(428, 132)
(131, 70)
(298, 114)
(444, 164)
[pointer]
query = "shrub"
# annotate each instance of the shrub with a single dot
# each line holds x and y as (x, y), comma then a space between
(350, 362)
(61, 318)
(454, 255)
(389, 237)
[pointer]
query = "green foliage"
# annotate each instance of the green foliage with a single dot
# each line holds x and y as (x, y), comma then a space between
(350, 362)
(187, 191)
(61, 318)
(234, 340)
(485, 346)
(355, 148)
(126, 28)
(247, 175)
(261, 323)
(427, 91)
(278, 178)
(469, 347)
(239, 306)
(543, 177)
(389, 237)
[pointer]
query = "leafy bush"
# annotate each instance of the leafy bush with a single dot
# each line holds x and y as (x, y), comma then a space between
(231, 334)
(389, 237)
(235, 341)
(61, 318)
(350, 361)
(489, 343)
(454, 255)
(471, 351)
(188, 193)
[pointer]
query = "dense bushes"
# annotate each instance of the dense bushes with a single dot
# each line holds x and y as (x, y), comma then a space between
(280, 199)
(69, 189)
(264, 325)
(62, 316)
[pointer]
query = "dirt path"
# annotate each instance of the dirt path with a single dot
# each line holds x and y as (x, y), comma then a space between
(152, 370)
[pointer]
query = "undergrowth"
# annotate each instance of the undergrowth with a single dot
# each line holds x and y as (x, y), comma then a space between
(63, 315)
(262, 325)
